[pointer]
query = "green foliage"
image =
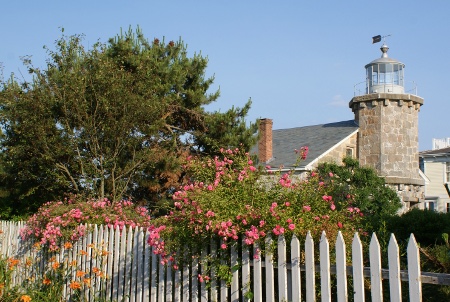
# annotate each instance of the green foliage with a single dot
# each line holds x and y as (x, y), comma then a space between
(427, 226)
(227, 130)
(108, 121)
(367, 190)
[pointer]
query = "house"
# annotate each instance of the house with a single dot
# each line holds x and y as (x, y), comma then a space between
(326, 143)
(383, 135)
(435, 164)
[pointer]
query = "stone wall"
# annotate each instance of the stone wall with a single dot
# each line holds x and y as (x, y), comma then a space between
(388, 139)
(339, 152)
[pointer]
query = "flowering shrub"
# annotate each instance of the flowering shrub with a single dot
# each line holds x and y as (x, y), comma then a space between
(229, 198)
(62, 221)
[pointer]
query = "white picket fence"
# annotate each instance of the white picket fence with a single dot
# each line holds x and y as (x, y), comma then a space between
(135, 273)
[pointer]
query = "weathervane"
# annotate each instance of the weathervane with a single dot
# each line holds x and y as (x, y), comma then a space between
(378, 38)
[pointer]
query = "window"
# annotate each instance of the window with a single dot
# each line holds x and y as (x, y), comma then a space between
(447, 206)
(349, 152)
(429, 205)
(447, 171)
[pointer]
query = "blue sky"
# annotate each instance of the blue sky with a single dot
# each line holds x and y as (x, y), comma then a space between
(297, 60)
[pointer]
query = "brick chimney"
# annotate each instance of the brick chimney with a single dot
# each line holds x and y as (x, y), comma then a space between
(265, 140)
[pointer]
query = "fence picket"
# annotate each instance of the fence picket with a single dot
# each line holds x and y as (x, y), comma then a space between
(194, 279)
(169, 283)
(214, 289)
(415, 282)
(110, 236)
(178, 286)
(223, 285)
(295, 270)
(135, 265)
(310, 273)
(358, 269)
(270, 285)
(161, 283)
(375, 270)
(153, 277)
(88, 265)
(246, 280)
(140, 263)
(204, 268)
(282, 270)
(341, 269)
(186, 291)
(115, 276)
(395, 288)
(257, 274)
(147, 267)
(128, 252)
(123, 290)
(325, 282)
(235, 275)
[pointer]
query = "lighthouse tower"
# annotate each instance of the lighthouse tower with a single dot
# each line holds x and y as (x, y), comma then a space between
(388, 128)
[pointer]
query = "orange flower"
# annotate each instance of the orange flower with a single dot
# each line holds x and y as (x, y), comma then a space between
(104, 253)
(25, 298)
(75, 285)
(73, 263)
(87, 281)
(28, 262)
(46, 281)
(80, 273)
(13, 262)
(91, 245)
(55, 265)
(95, 270)
(68, 245)
(83, 252)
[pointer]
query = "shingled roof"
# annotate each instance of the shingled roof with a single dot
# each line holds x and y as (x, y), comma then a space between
(435, 152)
(318, 138)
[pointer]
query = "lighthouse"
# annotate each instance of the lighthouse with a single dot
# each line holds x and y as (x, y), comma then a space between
(387, 117)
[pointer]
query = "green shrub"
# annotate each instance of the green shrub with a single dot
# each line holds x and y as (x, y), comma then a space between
(427, 226)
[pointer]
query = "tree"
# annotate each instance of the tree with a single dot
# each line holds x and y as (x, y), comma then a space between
(368, 191)
(109, 121)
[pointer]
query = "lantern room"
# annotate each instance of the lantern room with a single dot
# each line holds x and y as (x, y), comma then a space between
(384, 75)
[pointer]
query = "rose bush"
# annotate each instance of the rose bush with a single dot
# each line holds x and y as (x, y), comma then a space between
(63, 221)
(229, 198)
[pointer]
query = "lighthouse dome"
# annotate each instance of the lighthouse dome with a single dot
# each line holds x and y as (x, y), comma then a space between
(385, 75)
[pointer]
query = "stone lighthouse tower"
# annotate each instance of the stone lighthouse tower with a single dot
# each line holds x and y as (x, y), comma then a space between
(388, 128)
